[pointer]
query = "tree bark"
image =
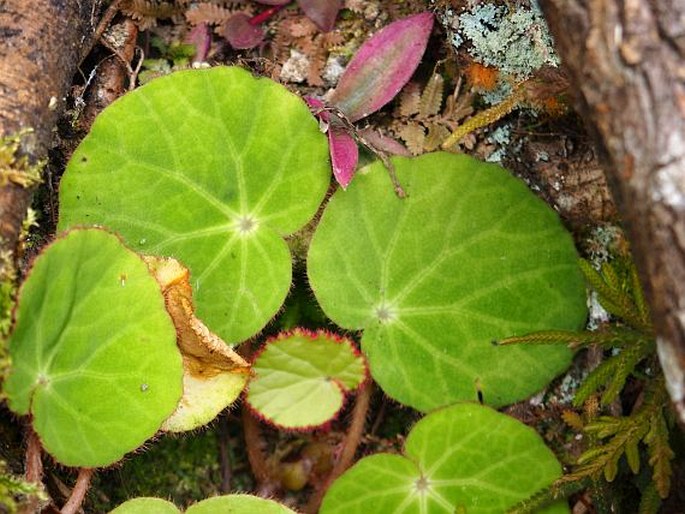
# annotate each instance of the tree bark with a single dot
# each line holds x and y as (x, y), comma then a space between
(626, 59)
(42, 42)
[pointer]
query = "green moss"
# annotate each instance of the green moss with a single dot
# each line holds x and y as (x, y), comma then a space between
(183, 470)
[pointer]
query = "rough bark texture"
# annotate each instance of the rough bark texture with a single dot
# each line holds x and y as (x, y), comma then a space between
(42, 42)
(627, 63)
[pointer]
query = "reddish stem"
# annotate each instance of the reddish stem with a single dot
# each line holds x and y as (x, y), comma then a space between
(34, 469)
(254, 443)
(78, 493)
(349, 449)
(260, 18)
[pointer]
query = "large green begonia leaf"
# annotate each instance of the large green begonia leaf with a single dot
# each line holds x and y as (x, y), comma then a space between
(146, 506)
(464, 458)
(238, 504)
(211, 167)
(94, 355)
(229, 504)
(470, 256)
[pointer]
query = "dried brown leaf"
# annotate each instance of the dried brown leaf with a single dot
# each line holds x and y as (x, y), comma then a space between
(410, 99)
(431, 98)
(208, 13)
(146, 12)
(414, 136)
(436, 135)
(573, 419)
(302, 27)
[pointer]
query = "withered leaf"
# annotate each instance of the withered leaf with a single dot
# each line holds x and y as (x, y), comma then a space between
(213, 373)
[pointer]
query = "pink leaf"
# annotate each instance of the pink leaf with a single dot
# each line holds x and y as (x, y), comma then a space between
(241, 33)
(321, 12)
(382, 66)
(199, 37)
(344, 155)
(384, 143)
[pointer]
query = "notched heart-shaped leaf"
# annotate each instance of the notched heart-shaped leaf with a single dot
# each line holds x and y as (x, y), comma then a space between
(301, 378)
(94, 355)
(214, 375)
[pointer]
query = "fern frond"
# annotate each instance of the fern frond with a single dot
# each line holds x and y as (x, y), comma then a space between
(431, 98)
(639, 296)
(628, 359)
(596, 379)
(650, 502)
(660, 454)
(613, 338)
(550, 494)
(613, 295)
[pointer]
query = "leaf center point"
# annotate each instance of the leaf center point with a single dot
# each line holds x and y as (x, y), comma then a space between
(385, 313)
(246, 225)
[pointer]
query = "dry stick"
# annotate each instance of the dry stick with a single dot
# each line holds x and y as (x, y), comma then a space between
(381, 154)
(486, 117)
(349, 449)
(254, 443)
(78, 493)
(224, 456)
(34, 468)
(102, 26)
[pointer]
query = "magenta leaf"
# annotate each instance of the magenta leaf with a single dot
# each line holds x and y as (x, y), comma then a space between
(382, 66)
(241, 33)
(321, 12)
(201, 38)
(344, 155)
(384, 143)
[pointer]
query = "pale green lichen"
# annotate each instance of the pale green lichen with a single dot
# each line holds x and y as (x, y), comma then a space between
(516, 42)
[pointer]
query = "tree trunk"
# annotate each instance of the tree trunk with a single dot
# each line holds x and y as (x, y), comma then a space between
(626, 59)
(42, 44)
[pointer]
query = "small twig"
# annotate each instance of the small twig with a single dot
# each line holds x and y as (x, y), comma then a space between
(34, 461)
(224, 457)
(349, 449)
(351, 128)
(34, 469)
(102, 26)
(78, 493)
(254, 443)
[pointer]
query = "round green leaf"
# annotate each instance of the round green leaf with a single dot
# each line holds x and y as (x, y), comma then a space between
(238, 504)
(301, 378)
(464, 458)
(471, 255)
(94, 356)
(212, 167)
(146, 506)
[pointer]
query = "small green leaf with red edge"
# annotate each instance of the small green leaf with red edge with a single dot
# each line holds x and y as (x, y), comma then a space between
(301, 378)
(382, 66)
